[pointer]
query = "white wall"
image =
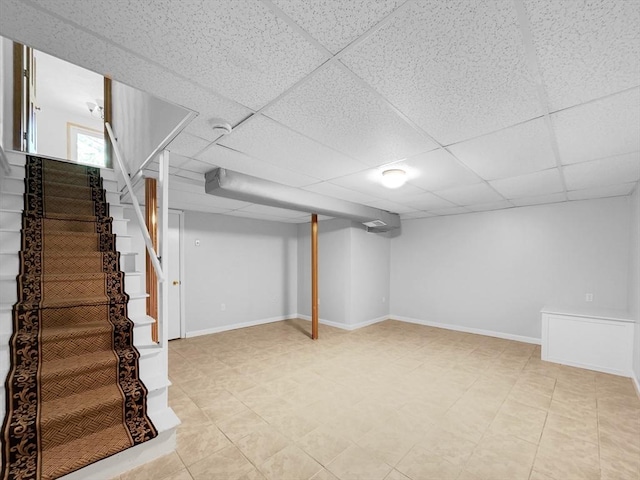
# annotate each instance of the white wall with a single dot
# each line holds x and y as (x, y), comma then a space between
(249, 265)
(353, 271)
(495, 270)
(6, 75)
(141, 122)
(370, 275)
(634, 277)
(52, 135)
(334, 270)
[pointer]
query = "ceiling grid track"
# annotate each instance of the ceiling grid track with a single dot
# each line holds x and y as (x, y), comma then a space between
(531, 57)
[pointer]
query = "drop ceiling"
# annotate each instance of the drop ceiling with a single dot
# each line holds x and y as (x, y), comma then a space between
(485, 104)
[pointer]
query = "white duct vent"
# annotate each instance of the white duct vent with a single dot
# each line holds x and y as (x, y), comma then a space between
(375, 223)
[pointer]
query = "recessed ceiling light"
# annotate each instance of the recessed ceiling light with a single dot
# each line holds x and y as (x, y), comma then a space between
(394, 178)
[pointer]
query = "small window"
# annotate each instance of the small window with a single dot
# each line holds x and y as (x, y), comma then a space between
(85, 145)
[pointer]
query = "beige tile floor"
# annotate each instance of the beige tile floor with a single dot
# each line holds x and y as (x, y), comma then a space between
(392, 401)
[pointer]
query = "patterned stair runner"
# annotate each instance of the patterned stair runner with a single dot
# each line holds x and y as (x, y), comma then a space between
(73, 390)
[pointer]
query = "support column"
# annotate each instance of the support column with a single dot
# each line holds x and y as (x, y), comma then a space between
(314, 276)
(151, 220)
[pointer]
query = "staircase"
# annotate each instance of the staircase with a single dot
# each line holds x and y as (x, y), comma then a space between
(81, 418)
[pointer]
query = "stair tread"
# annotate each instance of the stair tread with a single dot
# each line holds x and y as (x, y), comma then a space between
(95, 440)
(78, 363)
(80, 402)
(77, 302)
(74, 277)
(89, 328)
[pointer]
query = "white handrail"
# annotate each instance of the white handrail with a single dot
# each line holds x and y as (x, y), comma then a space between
(136, 206)
(135, 177)
(4, 162)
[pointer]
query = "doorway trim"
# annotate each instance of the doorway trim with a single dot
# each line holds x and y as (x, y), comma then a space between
(183, 328)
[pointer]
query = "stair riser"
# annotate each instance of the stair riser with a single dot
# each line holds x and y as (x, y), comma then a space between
(11, 201)
(119, 227)
(137, 307)
(10, 241)
(70, 427)
(10, 220)
(127, 263)
(157, 399)
(142, 335)
(133, 284)
(8, 291)
(116, 211)
(17, 171)
(113, 198)
(56, 349)
(11, 185)
(9, 264)
(123, 244)
(60, 387)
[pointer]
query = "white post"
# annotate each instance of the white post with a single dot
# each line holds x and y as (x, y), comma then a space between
(163, 241)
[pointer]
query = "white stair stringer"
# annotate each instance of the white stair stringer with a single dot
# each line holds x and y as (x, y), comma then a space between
(153, 357)
(11, 206)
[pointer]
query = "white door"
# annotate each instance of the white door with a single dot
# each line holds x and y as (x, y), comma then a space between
(174, 276)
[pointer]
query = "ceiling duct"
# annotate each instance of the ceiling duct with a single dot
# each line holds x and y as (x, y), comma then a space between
(238, 186)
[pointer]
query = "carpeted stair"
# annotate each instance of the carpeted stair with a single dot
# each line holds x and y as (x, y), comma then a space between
(73, 391)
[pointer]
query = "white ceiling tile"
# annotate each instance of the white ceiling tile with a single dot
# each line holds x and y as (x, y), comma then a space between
(240, 49)
(601, 192)
(336, 23)
(485, 207)
(267, 140)
(427, 201)
(450, 211)
(23, 23)
(273, 211)
(197, 166)
(370, 183)
(540, 199)
(470, 194)
(175, 160)
(414, 215)
(599, 173)
(606, 127)
(187, 145)
(390, 206)
(517, 150)
(531, 184)
(586, 50)
(337, 110)
(436, 170)
(223, 157)
(335, 191)
(455, 67)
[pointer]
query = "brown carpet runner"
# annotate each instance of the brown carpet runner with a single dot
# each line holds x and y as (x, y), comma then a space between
(73, 390)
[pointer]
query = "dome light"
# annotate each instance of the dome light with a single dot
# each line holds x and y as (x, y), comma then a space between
(394, 178)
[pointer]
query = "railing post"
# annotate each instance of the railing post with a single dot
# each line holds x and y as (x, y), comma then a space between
(163, 181)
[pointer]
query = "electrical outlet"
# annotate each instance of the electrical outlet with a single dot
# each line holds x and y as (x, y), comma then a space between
(223, 307)
(588, 297)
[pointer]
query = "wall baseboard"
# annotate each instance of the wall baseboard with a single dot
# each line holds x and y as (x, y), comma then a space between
(346, 326)
(235, 326)
(366, 323)
(460, 328)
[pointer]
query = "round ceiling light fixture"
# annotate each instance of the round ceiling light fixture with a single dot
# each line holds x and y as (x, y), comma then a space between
(394, 178)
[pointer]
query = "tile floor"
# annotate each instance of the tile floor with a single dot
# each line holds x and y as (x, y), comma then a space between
(392, 401)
